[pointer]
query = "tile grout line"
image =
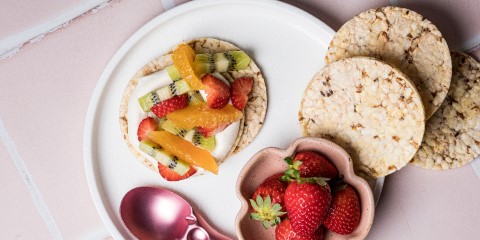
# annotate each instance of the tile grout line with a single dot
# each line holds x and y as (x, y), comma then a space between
(30, 184)
(11, 45)
(167, 4)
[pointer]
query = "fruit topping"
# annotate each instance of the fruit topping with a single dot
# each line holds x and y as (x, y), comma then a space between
(195, 97)
(220, 62)
(307, 202)
(183, 57)
(146, 125)
(163, 108)
(201, 115)
(218, 93)
(284, 231)
(193, 135)
(344, 214)
(209, 132)
(170, 175)
(173, 73)
(311, 164)
(155, 97)
(241, 87)
(164, 158)
(184, 150)
(267, 201)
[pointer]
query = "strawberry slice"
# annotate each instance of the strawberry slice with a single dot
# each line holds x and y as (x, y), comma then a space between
(146, 125)
(169, 175)
(165, 107)
(218, 93)
(208, 132)
(241, 87)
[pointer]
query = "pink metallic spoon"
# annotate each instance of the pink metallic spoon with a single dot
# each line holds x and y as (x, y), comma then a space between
(156, 213)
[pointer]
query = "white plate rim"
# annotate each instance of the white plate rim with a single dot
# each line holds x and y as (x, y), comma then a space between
(91, 172)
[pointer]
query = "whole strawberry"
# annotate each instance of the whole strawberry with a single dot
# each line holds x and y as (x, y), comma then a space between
(284, 231)
(267, 201)
(344, 215)
(307, 201)
(311, 164)
(274, 187)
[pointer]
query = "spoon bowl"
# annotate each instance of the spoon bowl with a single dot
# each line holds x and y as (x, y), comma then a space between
(157, 213)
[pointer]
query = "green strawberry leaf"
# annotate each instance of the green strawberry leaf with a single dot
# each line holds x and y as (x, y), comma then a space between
(289, 160)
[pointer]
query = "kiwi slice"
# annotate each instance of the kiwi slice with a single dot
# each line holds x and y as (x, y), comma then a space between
(192, 136)
(174, 89)
(170, 127)
(220, 62)
(166, 159)
(195, 97)
(207, 143)
(173, 73)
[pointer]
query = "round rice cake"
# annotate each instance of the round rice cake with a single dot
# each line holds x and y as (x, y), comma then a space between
(370, 109)
(452, 134)
(253, 114)
(404, 39)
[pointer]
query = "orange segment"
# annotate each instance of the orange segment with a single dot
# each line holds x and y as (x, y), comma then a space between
(183, 57)
(200, 115)
(184, 150)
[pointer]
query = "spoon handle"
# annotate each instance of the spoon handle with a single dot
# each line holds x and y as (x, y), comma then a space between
(214, 234)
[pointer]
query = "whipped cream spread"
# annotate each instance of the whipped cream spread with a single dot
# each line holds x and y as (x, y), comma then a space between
(224, 140)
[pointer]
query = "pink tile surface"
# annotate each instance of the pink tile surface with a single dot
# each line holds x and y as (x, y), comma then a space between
(22, 15)
(457, 20)
(335, 15)
(18, 216)
(422, 204)
(45, 89)
(44, 97)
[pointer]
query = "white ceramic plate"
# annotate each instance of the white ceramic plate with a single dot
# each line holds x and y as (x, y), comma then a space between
(289, 46)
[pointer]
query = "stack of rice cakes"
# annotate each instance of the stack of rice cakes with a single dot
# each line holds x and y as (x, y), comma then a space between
(390, 70)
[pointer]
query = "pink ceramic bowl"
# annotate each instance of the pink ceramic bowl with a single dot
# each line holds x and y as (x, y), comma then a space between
(271, 160)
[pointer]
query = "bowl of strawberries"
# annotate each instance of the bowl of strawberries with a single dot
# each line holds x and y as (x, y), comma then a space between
(307, 191)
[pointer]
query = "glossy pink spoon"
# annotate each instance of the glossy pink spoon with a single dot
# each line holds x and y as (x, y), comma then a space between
(156, 213)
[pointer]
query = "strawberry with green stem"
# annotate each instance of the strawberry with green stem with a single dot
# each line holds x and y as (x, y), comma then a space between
(307, 199)
(267, 201)
(312, 164)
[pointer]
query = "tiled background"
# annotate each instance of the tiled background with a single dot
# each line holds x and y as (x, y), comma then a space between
(45, 87)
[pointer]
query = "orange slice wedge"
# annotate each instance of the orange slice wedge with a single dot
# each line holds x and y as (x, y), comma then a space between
(183, 57)
(184, 150)
(200, 115)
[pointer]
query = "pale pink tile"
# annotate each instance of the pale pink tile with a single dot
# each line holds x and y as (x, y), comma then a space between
(17, 16)
(19, 219)
(333, 13)
(459, 21)
(336, 13)
(44, 98)
(424, 204)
